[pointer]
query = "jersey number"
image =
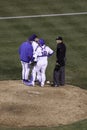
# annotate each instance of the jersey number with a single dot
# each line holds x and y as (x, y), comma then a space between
(44, 53)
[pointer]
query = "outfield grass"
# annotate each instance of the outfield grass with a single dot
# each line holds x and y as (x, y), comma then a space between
(72, 28)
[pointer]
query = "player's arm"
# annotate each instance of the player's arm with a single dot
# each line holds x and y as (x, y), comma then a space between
(50, 52)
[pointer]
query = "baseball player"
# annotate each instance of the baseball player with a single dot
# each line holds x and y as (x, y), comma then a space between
(26, 55)
(34, 39)
(41, 56)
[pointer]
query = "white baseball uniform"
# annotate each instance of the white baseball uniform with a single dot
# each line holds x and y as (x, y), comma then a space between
(35, 46)
(41, 55)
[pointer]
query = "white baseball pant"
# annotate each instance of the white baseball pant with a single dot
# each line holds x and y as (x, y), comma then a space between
(25, 70)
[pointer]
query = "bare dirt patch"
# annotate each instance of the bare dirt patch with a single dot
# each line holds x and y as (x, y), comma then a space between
(22, 106)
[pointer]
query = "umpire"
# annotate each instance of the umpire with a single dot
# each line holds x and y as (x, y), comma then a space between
(59, 70)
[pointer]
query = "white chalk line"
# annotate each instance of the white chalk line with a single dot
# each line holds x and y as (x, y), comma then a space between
(45, 15)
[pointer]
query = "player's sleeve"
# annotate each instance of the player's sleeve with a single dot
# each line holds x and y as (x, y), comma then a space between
(50, 51)
(30, 52)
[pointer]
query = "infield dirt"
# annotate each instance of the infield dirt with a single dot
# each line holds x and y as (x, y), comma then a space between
(23, 106)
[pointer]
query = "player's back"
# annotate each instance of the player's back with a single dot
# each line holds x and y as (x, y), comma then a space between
(25, 51)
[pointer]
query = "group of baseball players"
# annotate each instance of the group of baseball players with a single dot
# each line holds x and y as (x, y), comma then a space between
(34, 52)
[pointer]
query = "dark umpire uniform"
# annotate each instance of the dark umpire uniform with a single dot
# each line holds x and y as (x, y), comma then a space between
(59, 70)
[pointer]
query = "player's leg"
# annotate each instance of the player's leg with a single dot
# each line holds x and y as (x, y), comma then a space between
(25, 70)
(38, 75)
(38, 72)
(35, 71)
(62, 75)
(56, 78)
(33, 76)
(43, 75)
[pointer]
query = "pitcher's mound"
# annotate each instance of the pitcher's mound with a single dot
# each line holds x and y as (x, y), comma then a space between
(23, 106)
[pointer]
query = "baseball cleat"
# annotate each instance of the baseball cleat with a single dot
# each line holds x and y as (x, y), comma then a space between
(28, 83)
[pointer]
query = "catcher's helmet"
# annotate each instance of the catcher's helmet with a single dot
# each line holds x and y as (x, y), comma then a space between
(41, 42)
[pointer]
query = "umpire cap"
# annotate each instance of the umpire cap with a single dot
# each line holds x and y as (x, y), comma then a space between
(59, 38)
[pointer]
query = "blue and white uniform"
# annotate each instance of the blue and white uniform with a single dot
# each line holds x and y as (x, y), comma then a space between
(26, 55)
(41, 55)
(35, 46)
(34, 39)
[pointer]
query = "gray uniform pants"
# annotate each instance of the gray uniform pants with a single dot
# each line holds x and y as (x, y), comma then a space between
(59, 76)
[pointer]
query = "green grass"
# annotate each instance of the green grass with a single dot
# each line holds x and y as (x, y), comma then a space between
(72, 28)
(82, 125)
(29, 7)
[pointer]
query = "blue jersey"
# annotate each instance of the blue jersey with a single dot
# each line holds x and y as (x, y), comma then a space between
(26, 52)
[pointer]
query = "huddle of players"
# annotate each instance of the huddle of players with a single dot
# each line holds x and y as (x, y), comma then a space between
(34, 51)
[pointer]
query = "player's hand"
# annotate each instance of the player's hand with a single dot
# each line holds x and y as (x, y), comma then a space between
(57, 64)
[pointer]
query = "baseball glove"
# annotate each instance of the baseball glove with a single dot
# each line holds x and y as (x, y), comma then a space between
(33, 63)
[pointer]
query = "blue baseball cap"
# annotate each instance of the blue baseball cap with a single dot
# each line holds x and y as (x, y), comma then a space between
(41, 42)
(32, 37)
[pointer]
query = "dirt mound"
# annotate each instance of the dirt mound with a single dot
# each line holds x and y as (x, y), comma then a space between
(22, 106)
